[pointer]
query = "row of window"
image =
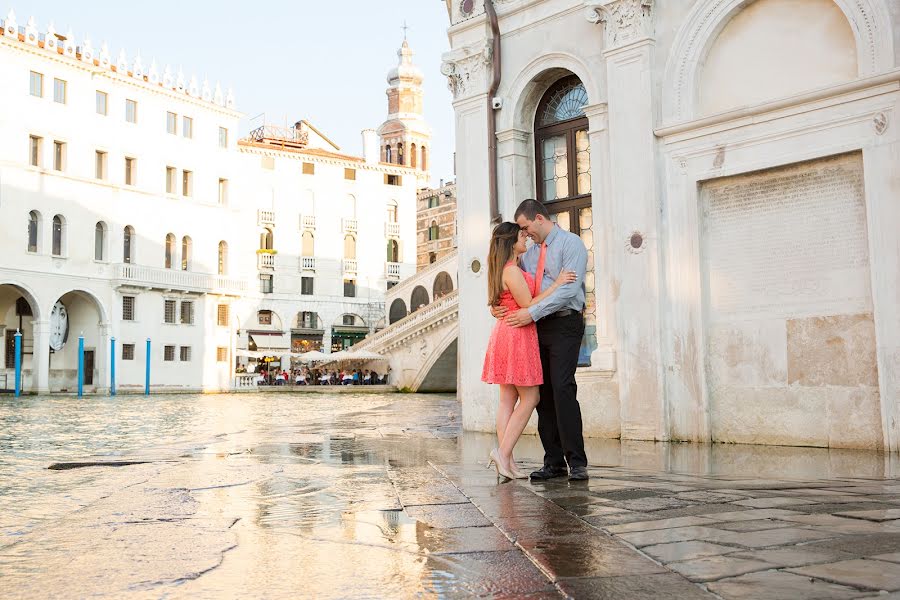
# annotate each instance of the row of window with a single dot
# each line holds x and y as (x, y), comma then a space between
(170, 311)
(184, 353)
(308, 245)
(394, 154)
(101, 170)
(60, 96)
(58, 243)
(307, 286)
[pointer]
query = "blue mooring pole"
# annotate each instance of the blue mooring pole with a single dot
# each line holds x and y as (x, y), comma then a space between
(18, 351)
(112, 366)
(147, 375)
(81, 365)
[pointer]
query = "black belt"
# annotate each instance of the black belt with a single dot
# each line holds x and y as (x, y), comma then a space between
(565, 312)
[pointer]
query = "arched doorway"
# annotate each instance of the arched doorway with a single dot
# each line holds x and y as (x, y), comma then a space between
(347, 330)
(397, 310)
(73, 313)
(418, 298)
(393, 251)
(443, 285)
(563, 171)
(307, 332)
(18, 311)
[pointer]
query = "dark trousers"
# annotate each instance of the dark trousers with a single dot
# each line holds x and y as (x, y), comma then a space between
(559, 414)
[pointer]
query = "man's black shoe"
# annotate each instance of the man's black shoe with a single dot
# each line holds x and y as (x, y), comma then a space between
(578, 474)
(547, 472)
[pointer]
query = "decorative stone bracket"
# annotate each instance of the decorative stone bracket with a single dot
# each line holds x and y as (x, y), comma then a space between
(466, 68)
(625, 21)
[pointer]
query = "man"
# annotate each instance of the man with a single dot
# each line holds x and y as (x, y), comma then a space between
(560, 327)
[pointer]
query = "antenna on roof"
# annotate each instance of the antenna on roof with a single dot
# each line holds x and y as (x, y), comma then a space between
(404, 28)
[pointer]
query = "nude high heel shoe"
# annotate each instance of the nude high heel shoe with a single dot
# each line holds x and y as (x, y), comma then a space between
(500, 470)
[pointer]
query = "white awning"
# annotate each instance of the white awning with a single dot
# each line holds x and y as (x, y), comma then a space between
(275, 341)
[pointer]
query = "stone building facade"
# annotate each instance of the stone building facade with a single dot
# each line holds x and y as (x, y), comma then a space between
(731, 167)
(134, 211)
(435, 224)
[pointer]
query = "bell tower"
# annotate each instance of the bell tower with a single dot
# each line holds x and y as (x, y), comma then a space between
(405, 136)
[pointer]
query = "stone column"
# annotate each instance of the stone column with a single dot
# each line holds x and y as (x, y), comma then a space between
(515, 169)
(634, 195)
(101, 358)
(326, 340)
(40, 360)
(467, 70)
(604, 357)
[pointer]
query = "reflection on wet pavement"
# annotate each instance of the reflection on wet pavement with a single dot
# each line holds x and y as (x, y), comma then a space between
(383, 497)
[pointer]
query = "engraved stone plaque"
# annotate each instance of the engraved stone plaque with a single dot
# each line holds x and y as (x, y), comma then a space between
(787, 242)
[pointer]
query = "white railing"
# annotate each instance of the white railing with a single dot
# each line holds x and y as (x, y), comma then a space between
(349, 225)
(245, 381)
(392, 270)
(265, 217)
(307, 221)
(307, 263)
(265, 261)
(170, 279)
(447, 263)
(392, 230)
(446, 307)
(350, 265)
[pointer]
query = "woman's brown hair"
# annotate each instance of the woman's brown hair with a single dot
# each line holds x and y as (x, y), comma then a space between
(503, 239)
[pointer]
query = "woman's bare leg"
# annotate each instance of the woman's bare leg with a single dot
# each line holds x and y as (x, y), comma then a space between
(508, 397)
(528, 399)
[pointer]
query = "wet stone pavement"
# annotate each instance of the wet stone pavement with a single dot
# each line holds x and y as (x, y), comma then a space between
(298, 496)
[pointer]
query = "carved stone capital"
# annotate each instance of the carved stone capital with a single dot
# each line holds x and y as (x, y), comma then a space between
(624, 21)
(466, 68)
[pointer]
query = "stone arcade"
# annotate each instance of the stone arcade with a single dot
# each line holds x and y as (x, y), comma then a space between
(730, 164)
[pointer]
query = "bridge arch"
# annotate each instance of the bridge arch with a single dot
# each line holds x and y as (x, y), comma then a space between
(418, 298)
(438, 371)
(443, 285)
(397, 310)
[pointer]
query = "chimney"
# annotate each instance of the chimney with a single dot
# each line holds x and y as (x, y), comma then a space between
(371, 146)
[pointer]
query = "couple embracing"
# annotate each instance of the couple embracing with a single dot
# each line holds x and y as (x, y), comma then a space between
(537, 296)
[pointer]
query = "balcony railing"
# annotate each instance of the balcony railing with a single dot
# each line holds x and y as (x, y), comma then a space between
(348, 225)
(392, 230)
(350, 265)
(307, 263)
(392, 270)
(307, 221)
(170, 279)
(265, 261)
(265, 217)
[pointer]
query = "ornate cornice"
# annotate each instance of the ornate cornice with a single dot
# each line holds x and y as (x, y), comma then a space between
(466, 68)
(624, 21)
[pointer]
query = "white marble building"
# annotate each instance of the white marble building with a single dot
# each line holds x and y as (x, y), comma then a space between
(732, 167)
(133, 210)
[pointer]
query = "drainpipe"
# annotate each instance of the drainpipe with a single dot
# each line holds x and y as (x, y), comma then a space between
(492, 116)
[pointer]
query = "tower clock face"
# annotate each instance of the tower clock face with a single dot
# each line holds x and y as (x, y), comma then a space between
(59, 326)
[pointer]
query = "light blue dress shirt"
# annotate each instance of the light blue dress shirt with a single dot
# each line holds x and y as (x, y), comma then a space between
(565, 250)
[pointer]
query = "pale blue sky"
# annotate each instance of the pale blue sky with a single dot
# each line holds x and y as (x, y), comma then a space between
(324, 61)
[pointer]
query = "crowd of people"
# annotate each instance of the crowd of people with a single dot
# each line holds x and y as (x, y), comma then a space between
(307, 376)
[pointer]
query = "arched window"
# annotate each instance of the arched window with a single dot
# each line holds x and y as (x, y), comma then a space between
(223, 258)
(412, 156)
(400, 153)
(100, 241)
(350, 207)
(418, 298)
(266, 239)
(434, 232)
(186, 250)
(397, 310)
(308, 244)
(34, 227)
(170, 250)
(443, 285)
(424, 159)
(349, 247)
(388, 155)
(563, 170)
(56, 248)
(128, 245)
(392, 211)
(393, 251)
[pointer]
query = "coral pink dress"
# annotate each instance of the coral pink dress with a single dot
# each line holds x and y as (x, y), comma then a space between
(512, 355)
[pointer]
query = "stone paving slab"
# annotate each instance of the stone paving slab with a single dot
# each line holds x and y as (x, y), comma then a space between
(633, 587)
(710, 568)
(872, 574)
(676, 551)
(778, 585)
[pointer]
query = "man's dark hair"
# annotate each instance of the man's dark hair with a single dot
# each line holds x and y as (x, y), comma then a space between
(530, 209)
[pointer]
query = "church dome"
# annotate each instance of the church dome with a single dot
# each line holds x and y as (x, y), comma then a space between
(405, 69)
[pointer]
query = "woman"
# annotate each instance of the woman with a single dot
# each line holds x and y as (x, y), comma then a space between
(513, 360)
